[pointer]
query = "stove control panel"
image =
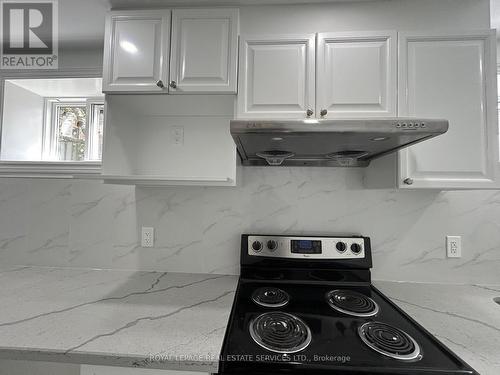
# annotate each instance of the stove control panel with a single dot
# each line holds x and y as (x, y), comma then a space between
(307, 247)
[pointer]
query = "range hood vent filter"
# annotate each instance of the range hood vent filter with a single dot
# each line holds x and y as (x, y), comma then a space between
(275, 157)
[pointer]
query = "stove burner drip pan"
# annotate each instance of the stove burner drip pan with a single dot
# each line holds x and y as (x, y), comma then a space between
(270, 297)
(280, 332)
(389, 341)
(352, 303)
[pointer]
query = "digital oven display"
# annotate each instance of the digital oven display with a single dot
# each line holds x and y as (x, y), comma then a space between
(306, 246)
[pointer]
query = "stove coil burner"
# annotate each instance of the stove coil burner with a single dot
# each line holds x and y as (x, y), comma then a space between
(270, 297)
(352, 303)
(389, 341)
(280, 332)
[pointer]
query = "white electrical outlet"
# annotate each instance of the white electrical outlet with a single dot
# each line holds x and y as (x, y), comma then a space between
(177, 135)
(454, 246)
(148, 237)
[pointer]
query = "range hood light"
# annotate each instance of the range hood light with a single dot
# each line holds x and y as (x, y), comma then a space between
(277, 139)
(377, 139)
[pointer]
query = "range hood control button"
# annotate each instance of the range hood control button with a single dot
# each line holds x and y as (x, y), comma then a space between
(272, 245)
(341, 247)
(356, 248)
(257, 246)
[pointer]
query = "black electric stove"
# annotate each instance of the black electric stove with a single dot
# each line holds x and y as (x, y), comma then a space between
(306, 305)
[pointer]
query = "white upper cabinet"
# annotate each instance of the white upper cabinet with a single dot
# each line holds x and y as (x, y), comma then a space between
(204, 50)
(356, 74)
(136, 50)
(451, 76)
(277, 76)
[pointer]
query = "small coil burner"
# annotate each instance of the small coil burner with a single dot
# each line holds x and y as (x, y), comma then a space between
(270, 297)
(280, 332)
(352, 303)
(389, 341)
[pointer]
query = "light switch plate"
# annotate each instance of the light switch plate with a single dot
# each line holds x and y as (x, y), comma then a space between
(454, 246)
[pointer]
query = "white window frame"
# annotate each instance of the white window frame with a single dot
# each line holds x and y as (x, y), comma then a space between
(48, 169)
(92, 103)
(498, 118)
(49, 135)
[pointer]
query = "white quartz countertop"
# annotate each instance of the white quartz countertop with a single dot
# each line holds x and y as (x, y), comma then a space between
(139, 319)
(177, 321)
(463, 317)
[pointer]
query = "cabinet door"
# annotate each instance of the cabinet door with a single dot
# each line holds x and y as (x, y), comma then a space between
(204, 50)
(450, 76)
(136, 51)
(356, 74)
(276, 76)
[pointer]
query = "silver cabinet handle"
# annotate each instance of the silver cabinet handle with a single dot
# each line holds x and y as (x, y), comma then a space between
(323, 112)
(160, 84)
(309, 112)
(408, 181)
(173, 84)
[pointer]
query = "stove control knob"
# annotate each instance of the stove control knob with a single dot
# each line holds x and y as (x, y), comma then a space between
(257, 246)
(272, 245)
(341, 247)
(356, 248)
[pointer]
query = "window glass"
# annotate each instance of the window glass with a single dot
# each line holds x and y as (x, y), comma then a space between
(59, 119)
(71, 132)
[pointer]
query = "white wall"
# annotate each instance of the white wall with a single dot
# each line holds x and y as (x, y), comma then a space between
(498, 51)
(87, 224)
(22, 124)
(198, 229)
(94, 225)
(366, 15)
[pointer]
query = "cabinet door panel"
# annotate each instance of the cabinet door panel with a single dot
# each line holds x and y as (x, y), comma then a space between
(451, 77)
(137, 44)
(356, 74)
(204, 50)
(276, 76)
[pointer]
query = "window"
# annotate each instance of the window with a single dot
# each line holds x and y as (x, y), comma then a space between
(52, 120)
(73, 129)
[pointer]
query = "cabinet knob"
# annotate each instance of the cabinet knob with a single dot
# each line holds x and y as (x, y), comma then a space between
(323, 113)
(309, 112)
(408, 181)
(173, 84)
(160, 84)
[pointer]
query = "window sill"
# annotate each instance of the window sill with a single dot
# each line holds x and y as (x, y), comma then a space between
(47, 169)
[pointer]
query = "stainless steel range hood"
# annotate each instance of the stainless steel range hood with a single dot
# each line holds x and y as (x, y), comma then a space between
(329, 143)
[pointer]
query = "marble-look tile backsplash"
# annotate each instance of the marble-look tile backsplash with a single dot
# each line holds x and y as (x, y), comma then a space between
(89, 224)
